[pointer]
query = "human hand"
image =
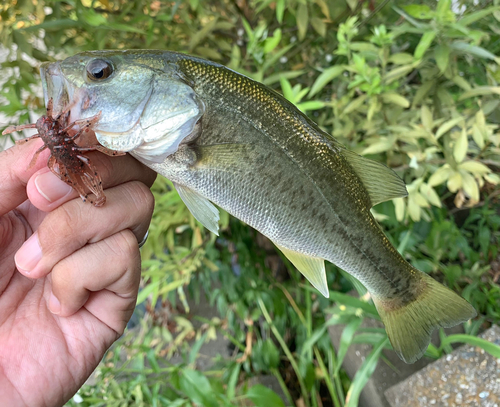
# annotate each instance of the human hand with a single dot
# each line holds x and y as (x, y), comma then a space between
(69, 272)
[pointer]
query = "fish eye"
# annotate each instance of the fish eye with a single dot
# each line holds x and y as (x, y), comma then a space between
(99, 69)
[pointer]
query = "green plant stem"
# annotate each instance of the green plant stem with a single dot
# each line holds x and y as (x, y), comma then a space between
(332, 368)
(292, 303)
(308, 320)
(285, 348)
(327, 378)
(282, 383)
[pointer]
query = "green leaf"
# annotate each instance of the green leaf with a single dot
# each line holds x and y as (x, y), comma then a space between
(455, 182)
(411, 20)
(319, 26)
(197, 388)
(489, 347)
(399, 208)
(311, 105)
(430, 194)
(426, 117)
(193, 353)
(466, 48)
(424, 44)
(271, 79)
(276, 56)
(480, 91)
(362, 46)
(346, 340)
(397, 73)
(442, 56)
(478, 15)
(470, 187)
(261, 396)
(441, 175)
(364, 373)
(395, 99)
(280, 10)
(53, 25)
(443, 8)
(420, 11)
(92, 18)
(492, 178)
(233, 381)
(302, 20)
(352, 4)
(311, 340)
(461, 145)
(461, 82)
(323, 5)
(272, 42)
(484, 239)
(326, 77)
(202, 34)
(355, 104)
(381, 145)
(475, 167)
(287, 89)
(422, 92)
(478, 136)
(148, 289)
(448, 125)
(401, 58)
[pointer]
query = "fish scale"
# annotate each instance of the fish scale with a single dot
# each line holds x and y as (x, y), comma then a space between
(224, 138)
(256, 100)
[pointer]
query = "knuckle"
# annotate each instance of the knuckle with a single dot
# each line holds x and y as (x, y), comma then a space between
(141, 197)
(123, 247)
(60, 226)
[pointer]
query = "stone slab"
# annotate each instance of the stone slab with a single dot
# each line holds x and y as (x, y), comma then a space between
(385, 375)
(467, 377)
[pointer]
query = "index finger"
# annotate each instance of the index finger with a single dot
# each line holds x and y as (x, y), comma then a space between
(47, 192)
(14, 173)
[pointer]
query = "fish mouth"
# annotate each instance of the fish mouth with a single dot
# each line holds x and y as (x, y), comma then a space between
(115, 131)
(55, 87)
(150, 127)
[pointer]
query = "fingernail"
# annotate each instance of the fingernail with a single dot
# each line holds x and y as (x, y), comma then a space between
(51, 187)
(28, 256)
(54, 304)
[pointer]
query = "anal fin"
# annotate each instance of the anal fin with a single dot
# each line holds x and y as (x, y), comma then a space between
(313, 268)
(201, 208)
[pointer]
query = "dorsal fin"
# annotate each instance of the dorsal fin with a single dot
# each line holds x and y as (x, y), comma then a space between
(380, 181)
(312, 268)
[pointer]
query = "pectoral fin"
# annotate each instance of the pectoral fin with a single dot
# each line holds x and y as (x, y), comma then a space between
(380, 181)
(313, 268)
(224, 156)
(201, 208)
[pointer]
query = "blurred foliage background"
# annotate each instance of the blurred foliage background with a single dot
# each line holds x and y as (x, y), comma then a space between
(414, 84)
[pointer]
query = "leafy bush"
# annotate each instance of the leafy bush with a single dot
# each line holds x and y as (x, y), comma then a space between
(414, 86)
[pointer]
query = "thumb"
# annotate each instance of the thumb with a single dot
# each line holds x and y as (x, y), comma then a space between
(14, 173)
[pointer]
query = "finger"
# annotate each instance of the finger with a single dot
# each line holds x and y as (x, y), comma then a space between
(75, 224)
(47, 192)
(14, 173)
(103, 276)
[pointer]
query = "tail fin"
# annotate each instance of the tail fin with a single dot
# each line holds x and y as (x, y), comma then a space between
(409, 324)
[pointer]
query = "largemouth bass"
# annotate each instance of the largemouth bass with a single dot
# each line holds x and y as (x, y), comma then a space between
(223, 138)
